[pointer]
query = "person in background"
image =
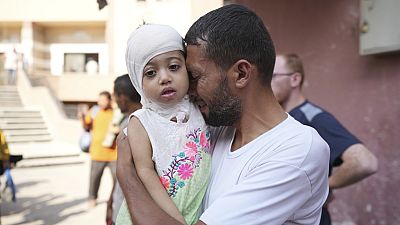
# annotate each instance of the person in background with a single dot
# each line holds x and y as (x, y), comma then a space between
(128, 101)
(91, 66)
(350, 159)
(97, 120)
(4, 153)
(11, 65)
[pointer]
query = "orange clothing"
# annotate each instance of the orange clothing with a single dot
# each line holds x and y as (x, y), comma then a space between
(4, 151)
(100, 125)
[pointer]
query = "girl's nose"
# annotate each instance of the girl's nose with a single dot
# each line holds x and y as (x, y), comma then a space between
(165, 77)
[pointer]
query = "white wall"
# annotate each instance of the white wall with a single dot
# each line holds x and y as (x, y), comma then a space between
(51, 10)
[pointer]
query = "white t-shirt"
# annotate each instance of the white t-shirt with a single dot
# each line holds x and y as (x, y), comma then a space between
(281, 177)
(11, 61)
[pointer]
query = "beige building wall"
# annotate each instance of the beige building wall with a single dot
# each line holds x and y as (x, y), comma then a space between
(52, 28)
(51, 10)
(127, 15)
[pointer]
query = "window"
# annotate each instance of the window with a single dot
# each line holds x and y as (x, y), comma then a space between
(81, 63)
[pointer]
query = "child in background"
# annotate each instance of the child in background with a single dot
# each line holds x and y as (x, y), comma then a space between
(169, 139)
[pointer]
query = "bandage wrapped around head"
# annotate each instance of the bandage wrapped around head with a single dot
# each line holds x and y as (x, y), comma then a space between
(145, 43)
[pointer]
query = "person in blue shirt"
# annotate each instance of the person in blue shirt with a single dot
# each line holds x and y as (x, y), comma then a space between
(351, 159)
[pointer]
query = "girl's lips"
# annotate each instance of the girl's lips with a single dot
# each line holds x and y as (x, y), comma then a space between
(168, 92)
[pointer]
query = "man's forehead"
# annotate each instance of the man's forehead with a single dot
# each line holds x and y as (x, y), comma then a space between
(195, 56)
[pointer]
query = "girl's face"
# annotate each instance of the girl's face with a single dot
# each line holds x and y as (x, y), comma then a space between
(165, 79)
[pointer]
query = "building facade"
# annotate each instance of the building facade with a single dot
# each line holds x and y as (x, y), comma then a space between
(76, 49)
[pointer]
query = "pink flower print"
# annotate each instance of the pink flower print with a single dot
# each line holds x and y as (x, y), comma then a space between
(164, 182)
(204, 142)
(185, 171)
(191, 150)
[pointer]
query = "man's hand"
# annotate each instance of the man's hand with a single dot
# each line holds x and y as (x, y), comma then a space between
(109, 211)
(125, 159)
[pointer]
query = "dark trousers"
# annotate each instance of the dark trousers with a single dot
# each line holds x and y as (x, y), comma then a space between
(96, 172)
(325, 217)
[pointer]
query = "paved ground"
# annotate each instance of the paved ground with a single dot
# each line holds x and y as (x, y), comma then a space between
(57, 194)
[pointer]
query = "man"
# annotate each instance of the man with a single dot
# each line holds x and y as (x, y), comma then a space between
(267, 168)
(351, 159)
(98, 120)
(11, 65)
(128, 101)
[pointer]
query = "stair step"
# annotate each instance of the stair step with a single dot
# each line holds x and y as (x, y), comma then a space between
(23, 126)
(51, 161)
(21, 120)
(6, 115)
(8, 95)
(41, 138)
(3, 88)
(11, 103)
(27, 132)
(10, 100)
(18, 110)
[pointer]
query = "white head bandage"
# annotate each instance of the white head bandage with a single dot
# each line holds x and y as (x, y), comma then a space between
(145, 43)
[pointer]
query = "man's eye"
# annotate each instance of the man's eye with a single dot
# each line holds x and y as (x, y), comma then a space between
(174, 67)
(150, 73)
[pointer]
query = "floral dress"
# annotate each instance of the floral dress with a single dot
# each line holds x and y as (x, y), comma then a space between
(182, 157)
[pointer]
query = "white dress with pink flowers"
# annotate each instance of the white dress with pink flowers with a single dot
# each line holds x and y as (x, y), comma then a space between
(182, 158)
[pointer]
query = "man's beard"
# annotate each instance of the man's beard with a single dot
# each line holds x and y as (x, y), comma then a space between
(225, 108)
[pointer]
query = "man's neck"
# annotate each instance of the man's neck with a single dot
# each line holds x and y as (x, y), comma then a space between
(261, 113)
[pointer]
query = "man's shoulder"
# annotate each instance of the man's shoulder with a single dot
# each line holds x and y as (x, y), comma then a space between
(300, 143)
(306, 112)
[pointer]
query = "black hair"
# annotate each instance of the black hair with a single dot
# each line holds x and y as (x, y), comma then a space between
(107, 94)
(231, 33)
(123, 86)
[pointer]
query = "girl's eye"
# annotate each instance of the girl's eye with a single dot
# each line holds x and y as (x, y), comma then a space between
(174, 67)
(150, 73)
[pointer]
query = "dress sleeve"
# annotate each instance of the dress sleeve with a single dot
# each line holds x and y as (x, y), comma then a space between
(270, 194)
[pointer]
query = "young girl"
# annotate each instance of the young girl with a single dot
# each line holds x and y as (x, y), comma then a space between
(169, 139)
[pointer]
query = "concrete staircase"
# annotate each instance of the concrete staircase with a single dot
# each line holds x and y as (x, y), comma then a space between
(20, 125)
(9, 97)
(28, 134)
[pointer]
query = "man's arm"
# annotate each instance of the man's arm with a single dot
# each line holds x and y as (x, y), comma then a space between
(109, 209)
(141, 206)
(354, 160)
(358, 163)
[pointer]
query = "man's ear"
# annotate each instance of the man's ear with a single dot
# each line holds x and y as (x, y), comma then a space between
(242, 71)
(295, 79)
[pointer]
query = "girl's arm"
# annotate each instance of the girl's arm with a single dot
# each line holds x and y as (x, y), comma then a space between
(141, 152)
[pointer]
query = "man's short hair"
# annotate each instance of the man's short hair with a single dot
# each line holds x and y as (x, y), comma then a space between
(231, 33)
(294, 64)
(123, 86)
